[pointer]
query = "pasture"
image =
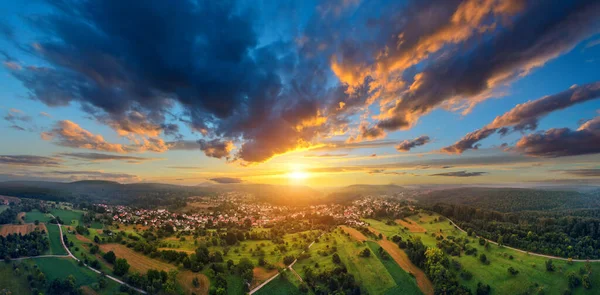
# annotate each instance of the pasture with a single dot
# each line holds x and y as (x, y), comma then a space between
(138, 261)
(34, 215)
(532, 277)
(279, 286)
(11, 282)
(54, 236)
(69, 217)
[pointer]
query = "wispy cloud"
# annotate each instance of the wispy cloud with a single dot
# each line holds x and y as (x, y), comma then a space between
(459, 174)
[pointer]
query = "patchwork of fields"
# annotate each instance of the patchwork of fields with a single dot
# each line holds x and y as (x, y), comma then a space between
(532, 276)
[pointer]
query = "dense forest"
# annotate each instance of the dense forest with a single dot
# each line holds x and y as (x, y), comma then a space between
(559, 235)
(18, 245)
(514, 199)
(143, 195)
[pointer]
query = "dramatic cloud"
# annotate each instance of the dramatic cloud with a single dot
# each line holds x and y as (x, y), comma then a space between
(560, 142)
(216, 148)
(105, 157)
(406, 145)
(525, 116)
(226, 180)
(69, 134)
(459, 174)
(25, 160)
(122, 64)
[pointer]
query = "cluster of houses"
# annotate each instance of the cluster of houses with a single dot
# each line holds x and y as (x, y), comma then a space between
(245, 213)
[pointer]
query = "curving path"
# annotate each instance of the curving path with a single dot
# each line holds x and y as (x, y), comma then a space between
(527, 252)
(70, 255)
(277, 274)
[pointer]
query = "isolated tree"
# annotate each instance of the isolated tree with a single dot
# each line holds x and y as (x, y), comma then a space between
(549, 265)
(121, 267)
(287, 260)
(110, 257)
(483, 289)
(336, 258)
(513, 271)
(573, 280)
(483, 258)
(587, 281)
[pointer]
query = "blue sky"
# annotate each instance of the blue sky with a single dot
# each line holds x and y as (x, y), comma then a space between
(318, 93)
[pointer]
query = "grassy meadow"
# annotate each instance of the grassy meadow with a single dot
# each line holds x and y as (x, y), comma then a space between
(532, 276)
(56, 246)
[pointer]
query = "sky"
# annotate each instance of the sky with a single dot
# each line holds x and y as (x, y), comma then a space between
(318, 93)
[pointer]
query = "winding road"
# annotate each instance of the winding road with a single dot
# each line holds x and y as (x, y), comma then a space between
(70, 255)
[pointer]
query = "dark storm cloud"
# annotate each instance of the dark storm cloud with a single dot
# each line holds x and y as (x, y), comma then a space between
(105, 157)
(459, 174)
(226, 180)
(126, 66)
(524, 117)
(26, 160)
(560, 142)
(406, 145)
(216, 148)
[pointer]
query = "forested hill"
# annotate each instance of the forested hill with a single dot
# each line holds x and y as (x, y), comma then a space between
(137, 194)
(513, 199)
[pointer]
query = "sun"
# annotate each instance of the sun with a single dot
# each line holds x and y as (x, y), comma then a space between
(297, 175)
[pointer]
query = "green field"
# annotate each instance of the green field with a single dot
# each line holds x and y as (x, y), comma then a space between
(279, 286)
(374, 275)
(36, 215)
(532, 273)
(11, 282)
(60, 268)
(235, 285)
(69, 217)
(80, 248)
(2, 208)
(56, 246)
(96, 225)
(405, 283)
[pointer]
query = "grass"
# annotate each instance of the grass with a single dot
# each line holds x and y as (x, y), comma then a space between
(11, 282)
(69, 217)
(280, 285)
(532, 273)
(96, 225)
(370, 273)
(56, 246)
(36, 215)
(60, 268)
(2, 208)
(235, 285)
(405, 283)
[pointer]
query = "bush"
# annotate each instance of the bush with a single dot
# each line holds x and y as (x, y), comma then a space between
(365, 253)
(513, 271)
(466, 275)
(287, 260)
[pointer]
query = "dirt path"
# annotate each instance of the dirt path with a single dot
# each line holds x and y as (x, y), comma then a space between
(354, 233)
(404, 262)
